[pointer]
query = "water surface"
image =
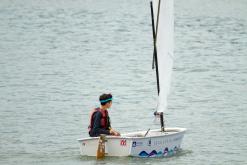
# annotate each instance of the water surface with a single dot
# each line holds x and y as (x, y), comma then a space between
(57, 57)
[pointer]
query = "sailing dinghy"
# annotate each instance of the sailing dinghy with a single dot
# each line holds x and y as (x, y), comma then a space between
(158, 142)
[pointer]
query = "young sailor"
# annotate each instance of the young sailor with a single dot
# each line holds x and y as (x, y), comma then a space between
(100, 120)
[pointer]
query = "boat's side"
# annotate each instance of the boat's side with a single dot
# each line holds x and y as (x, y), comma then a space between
(114, 146)
(155, 143)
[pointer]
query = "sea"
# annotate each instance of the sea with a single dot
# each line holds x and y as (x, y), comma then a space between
(58, 56)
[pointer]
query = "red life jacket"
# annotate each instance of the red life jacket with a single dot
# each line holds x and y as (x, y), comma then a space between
(103, 121)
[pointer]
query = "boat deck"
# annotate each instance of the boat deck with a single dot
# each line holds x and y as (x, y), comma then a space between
(141, 134)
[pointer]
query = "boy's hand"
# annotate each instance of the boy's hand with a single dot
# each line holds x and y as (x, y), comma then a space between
(114, 133)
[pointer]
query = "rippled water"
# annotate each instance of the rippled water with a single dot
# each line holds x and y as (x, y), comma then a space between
(58, 56)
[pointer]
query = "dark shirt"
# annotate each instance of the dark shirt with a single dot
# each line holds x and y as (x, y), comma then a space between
(96, 127)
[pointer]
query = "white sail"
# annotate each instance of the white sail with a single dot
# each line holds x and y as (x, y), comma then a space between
(164, 46)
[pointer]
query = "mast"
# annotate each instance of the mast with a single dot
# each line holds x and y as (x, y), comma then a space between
(155, 57)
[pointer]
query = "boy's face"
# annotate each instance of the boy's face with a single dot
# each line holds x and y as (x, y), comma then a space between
(109, 104)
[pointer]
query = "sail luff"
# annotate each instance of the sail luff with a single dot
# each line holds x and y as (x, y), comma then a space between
(157, 19)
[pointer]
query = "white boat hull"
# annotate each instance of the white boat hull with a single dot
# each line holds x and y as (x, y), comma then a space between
(154, 144)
